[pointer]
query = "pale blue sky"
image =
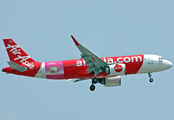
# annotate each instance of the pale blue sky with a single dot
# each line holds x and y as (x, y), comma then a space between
(107, 28)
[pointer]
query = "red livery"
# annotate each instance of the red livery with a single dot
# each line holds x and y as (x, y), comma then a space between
(106, 70)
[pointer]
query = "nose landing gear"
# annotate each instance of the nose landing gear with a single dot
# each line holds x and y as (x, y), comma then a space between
(150, 76)
(151, 79)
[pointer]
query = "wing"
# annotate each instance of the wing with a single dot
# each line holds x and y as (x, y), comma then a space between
(94, 63)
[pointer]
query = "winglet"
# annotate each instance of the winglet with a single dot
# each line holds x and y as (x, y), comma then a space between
(75, 41)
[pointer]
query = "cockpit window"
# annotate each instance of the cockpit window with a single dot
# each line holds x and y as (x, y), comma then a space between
(161, 58)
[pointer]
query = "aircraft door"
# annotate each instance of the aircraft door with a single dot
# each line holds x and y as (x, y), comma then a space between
(150, 59)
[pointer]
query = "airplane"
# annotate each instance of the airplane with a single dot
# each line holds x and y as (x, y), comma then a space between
(105, 70)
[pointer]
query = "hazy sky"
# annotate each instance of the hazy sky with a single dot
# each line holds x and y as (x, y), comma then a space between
(107, 28)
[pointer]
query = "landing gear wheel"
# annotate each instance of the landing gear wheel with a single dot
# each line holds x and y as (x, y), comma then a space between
(150, 76)
(92, 87)
(151, 80)
(94, 80)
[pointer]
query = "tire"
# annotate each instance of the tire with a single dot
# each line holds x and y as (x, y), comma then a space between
(94, 80)
(151, 80)
(92, 87)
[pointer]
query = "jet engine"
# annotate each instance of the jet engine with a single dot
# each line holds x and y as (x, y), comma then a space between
(114, 70)
(111, 81)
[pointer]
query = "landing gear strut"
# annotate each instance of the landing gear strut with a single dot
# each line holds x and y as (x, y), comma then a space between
(94, 81)
(150, 76)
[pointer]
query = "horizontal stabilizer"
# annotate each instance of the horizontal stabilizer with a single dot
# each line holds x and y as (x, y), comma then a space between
(15, 66)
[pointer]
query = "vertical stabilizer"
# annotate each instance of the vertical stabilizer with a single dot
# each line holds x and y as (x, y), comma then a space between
(16, 53)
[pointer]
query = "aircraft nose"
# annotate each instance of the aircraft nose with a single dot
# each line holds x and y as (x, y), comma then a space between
(169, 64)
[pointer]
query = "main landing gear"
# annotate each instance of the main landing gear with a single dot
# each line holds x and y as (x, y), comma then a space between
(150, 76)
(94, 81)
(92, 87)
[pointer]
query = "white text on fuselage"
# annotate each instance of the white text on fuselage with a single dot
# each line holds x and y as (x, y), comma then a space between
(112, 61)
(16, 51)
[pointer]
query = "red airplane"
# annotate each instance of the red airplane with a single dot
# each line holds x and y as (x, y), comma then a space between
(106, 70)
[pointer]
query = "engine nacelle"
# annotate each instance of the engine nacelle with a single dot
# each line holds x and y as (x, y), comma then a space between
(114, 70)
(111, 81)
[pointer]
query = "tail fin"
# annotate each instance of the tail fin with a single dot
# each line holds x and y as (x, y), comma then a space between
(16, 53)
